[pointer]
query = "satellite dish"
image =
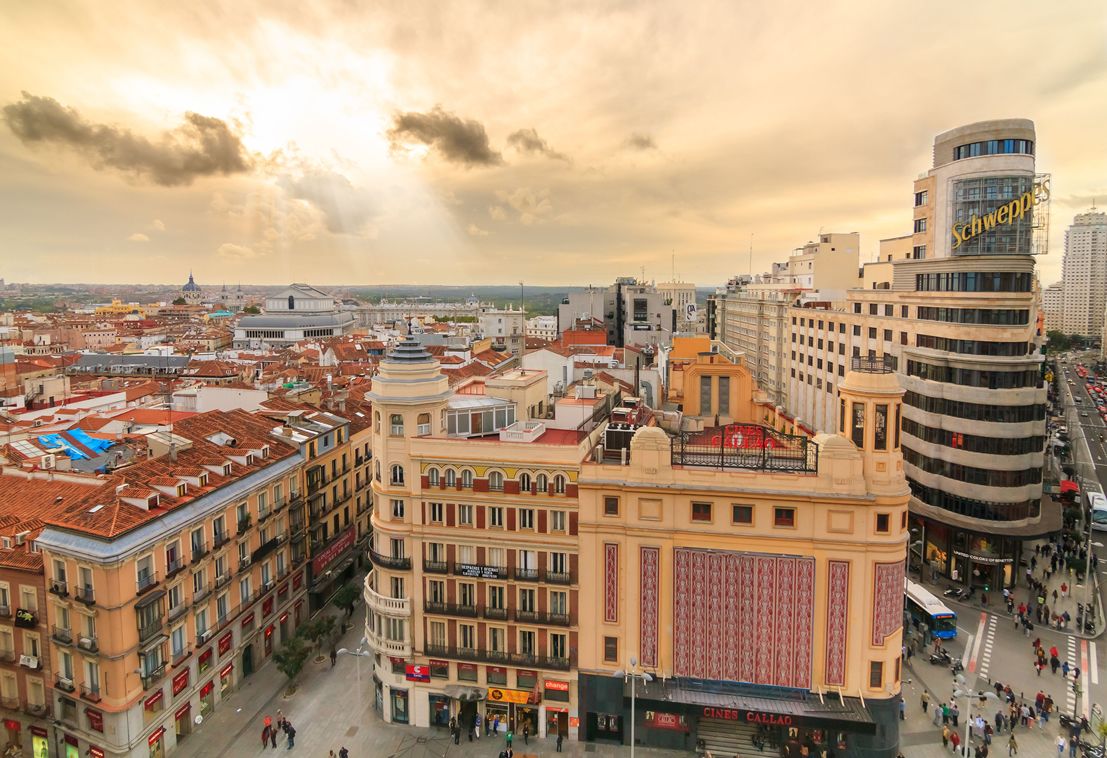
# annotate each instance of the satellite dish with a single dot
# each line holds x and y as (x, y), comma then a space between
(199, 719)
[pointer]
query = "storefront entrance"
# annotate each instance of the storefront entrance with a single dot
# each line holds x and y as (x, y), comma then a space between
(603, 726)
(557, 722)
(399, 706)
(526, 716)
(492, 711)
(247, 660)
(439, 710)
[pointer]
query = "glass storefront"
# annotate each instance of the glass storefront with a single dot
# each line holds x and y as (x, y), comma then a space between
(399, 706)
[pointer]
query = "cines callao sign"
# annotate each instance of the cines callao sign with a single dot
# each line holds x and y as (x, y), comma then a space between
(1004, 214)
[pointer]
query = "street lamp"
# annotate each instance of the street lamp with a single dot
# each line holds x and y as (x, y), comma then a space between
(633, 674)
(359, 654)
(963, 690)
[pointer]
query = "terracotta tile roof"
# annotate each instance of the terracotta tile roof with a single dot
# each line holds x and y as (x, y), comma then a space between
(21, 560)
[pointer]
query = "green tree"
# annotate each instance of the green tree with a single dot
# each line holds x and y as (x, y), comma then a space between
(291, 657)
(345, 598)
(319, 630)
(179, 301)
(253, 310)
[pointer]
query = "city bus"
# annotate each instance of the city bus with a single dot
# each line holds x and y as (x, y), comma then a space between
(924, 608)
(1097, 503)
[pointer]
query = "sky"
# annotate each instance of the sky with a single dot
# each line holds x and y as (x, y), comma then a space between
(554, 143)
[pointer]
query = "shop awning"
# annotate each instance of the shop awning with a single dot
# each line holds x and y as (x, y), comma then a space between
(1068, 485)
(464, 693)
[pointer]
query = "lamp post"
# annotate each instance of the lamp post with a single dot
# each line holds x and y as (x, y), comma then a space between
(633, 674)
(962, 690)
(359, 654)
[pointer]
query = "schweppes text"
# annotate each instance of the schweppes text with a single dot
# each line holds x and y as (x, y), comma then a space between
(1004, 214)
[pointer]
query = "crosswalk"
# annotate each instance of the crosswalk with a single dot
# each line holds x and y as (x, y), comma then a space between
(1070, 655)
(989, 637)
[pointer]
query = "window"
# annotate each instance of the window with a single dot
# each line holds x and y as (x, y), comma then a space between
(557, 521)
(524, 482)
(559, 603)
(397, 479)
(920, 225)
(882, 525)
(467, 594)
(559, 646)
(423, 424)
(437, 511)
(559, 484)
(467, 636)
(918, 252)
(921, 198)
(705, 395)
(785, 517)
(880, 427)
(438, 633)
(497, 675)
(496, 481)
(528, 642)
(497, 639)
(397, 509)
(177, 638)
(397, 425)
(496, 597)
(496, 556)
(724, 395)
(528, 602)
(872, 309)
(466, 478)
(858, 427)
(465, 514)
(526, 518)
(451, 477)
(611, 649)
(857, 307)
(496, 517)
(432, 477)
(876, 675)
(741, 514)
(856, 330)
(611, 506)
(541, 483)
(701, 512)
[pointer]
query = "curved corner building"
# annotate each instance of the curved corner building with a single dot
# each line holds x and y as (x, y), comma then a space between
(974, 409)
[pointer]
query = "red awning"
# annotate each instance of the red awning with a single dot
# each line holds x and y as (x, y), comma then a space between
(1068, 485)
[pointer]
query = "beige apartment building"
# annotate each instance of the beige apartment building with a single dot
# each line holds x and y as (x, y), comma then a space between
(171, 583)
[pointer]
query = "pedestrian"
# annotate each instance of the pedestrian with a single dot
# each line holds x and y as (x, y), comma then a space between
(265, 732)
(510, 736)
(954, 713)
(291, 732)
(1060, 746)
(470, 728)
(476, 725)
(1073, 744)
(999, 722)
(955, 739)
(280, 719)
(343, 752)
(1065, 669)
(454, 731)
(526, 731)
(487, 726)
(559, 738)
(925, 700)
(1012, 746)
(334, 656)
(945, 736)
(273, 737)
(496, 724)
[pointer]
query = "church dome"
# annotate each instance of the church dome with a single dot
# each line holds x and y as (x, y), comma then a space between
(191, 285)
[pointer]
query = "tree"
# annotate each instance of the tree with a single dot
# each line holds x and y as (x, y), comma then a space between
(345, 598)
(319, 630)
(179, 301)
(253, 310)
(291, 657)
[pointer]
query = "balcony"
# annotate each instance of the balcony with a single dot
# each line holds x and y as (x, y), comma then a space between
(450, 609)
(147, 632)
(526, 617)
(494, 614)
(203, 638)
(7, 655)
(264, 514)
(146, 582)
(465, 653)
(278, 503)
(294, 497)
(296, 525)
(221, 580)
(152, 677)
(479, 572)
(62, 635)
(11, 703)
(221, 539)
(385, 646)
(173, 567)
(244, 565)
(202, 594)
(265, 548)
(64, 684)
(85, 595)
(244, 525)
(177, 611)
(247, 597)
(59, 587)
(396, 563)
(388, 606)
(91, 694)
(559, 577)
(436, 567)
(180, 655)
(88, 644)
(540, 661)
(199, 552)
(525, 575)
(36, 709)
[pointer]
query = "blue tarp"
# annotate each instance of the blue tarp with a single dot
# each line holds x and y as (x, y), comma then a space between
(56, 440)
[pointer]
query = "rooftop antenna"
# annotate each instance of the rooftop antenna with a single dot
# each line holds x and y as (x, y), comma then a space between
(674, 266)
(751, 253)
(523, 316)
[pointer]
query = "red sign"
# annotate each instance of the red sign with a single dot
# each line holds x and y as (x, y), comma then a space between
(95, 719)
(556, 686)
(267, 606)
(225, 642)
(661, 720)
(11, 724)
(207, 688)
(248, 620)
(414, 673)
(180, 681)
(284, 617)
(182, 711)
(298, 580)
(269, 630)
(753, 717)
(38, 731)
(153, 700)
(156, 735)
(320, 562)
(95, 752)
(227, 669)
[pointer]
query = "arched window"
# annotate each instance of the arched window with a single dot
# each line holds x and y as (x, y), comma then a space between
(466, 478)
(432, 477)
(559, 484)
(291, 302)
(424, 422)
(496, 481)
(451, 477)
(397, 475)
(397, 425)
(541, 482)
(524, 482)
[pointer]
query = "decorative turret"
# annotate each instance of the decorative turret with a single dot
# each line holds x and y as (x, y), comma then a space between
(869, 400)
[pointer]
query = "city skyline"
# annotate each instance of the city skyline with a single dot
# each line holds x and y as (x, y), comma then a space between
(437, 144)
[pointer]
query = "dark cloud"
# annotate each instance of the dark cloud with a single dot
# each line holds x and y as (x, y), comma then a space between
(639, 141)
(528, 141)
(457, 140)
(346, 208)
(201, 146)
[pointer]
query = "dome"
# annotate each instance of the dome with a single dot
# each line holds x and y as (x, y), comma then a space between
(191, 285)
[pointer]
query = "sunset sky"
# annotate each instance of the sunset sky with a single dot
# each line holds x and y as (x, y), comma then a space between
(557, 143)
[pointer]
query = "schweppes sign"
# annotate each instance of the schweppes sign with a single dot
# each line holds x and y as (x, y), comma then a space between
(1004, 214)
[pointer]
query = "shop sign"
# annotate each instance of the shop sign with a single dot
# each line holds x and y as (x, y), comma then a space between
(415, 673)
(205, 660)
(95, 719)
(11, 724)
(25, 618)
(283, 590)
(269, 630)
(989, 559)
(284, 617)
(207, 688)
(153, 700)
(297, 582)
(227, 670)
(320, 562)
(157, 735)
(662, 720)
(95, 752)
(574, 722)
(180, 681)
(553, 684)
(267, 606)
(38, 731)
(248, 621)
(225, 642)
(1001, 216)
(521, 697)
(753, 717)
(480, 572)
(182, 711)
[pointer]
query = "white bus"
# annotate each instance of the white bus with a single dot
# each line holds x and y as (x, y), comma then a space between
(1097, 503)
(925, 608)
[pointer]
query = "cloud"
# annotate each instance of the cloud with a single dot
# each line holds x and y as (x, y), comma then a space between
(347, 209)
(528, 141)
(138, 237)
(532, 206)
(232, 252)
(476, 231)
(456, 140)
(497, 212)
(157, 225)
(639, 141)
(201, 146)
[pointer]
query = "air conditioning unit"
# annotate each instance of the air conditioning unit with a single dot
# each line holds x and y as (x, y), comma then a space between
(65, 683)
(205, 637)
(87, 642)
(49, 461)
(28, 661)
